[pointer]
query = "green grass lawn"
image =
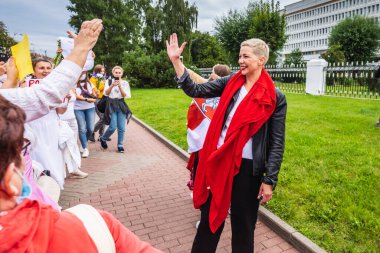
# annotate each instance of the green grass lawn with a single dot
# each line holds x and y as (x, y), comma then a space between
(329, 184)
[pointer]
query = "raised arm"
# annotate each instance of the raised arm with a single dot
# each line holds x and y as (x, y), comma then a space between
(174, 53)
(37, 100)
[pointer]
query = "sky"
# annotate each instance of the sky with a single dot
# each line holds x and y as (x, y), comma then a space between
(45, 20)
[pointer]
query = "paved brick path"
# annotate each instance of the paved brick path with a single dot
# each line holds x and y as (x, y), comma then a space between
(145, 188)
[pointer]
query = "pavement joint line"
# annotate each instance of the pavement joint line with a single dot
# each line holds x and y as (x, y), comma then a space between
(283, 229)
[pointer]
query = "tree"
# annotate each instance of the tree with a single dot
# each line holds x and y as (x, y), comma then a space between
(167, 17)
(295, 57)
(206, 51)
(121, 26)
(334, 54)
(231, 31)
(5, 40)
(359, 38)
(268, 24)
(262, 20)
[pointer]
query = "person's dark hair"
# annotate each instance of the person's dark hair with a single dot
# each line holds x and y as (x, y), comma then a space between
(87, 80)
(98, 68)
(222, 70)
(12, 119)
(40, 59)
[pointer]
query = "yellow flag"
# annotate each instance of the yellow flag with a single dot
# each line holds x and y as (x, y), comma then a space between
(21, 53)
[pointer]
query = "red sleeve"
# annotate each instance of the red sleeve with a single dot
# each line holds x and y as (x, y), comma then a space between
(125, 240)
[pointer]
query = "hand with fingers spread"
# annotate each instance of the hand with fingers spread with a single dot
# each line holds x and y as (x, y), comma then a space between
(265, 193)
(172, 48)
(174, 52)
(85, 40)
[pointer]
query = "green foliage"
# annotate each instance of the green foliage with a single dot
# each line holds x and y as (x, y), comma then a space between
(165, 18)
(295, 57)
(149, 70)
(260, 17)
(231, 31)
(265, 17)
(5, 40)
(334, 54)
(359, 38)
(328, 184)
(206, 51)
(121, 26)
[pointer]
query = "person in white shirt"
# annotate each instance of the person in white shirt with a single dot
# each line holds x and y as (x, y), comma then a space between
(84, 110)
(117, 110)
(70, 151)
(46, 149)
(37, 100)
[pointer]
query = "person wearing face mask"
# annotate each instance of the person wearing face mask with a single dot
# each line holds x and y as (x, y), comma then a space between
(30, 226)
(117, 110)
(97, 79)
(84, 110)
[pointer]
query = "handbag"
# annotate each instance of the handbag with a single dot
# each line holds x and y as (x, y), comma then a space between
(96, 227)
(102, 104)
(86, 94)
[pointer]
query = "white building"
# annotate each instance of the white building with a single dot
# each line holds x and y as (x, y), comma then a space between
(309, 22)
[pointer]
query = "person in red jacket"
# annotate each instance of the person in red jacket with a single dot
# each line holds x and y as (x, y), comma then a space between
(30, 226)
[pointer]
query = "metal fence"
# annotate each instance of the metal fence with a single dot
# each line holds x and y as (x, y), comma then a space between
(286, 78)
(357, 80)
(289, 78)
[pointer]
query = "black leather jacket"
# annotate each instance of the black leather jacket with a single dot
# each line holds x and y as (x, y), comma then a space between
(267, 143)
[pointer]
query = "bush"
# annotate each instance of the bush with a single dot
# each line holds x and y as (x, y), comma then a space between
(148, 70)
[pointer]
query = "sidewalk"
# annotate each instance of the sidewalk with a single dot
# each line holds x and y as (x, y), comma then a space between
(145, 188)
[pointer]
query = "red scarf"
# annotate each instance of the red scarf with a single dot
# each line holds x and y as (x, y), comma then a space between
(217, 167)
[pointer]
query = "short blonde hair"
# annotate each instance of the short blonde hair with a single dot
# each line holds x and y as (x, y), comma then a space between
(117, 67)
(260, 48)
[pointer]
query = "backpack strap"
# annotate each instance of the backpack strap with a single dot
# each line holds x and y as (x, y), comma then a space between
(95, 226)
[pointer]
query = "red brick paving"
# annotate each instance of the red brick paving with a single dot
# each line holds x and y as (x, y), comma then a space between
(145, 188)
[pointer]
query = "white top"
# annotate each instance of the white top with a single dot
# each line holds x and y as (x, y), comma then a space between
(83, 105)
(69, 114)
(247, 150)
(37, 100)
(115, 92)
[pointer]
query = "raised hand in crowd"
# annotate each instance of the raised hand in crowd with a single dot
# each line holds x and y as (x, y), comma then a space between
(174, 53)
(85, 40)
(12, 74)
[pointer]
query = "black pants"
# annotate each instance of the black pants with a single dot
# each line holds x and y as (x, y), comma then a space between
(99, 126)
(244, 208)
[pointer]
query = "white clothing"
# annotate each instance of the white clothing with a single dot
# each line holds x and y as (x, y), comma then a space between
(73, 124)
(84, 105)
(69, 114)
(37, 100)
(46, 150)
(115, 92)
(68, 145)
(247, 150)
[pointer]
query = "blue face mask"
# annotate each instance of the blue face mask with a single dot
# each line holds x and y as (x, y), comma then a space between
(26, 190)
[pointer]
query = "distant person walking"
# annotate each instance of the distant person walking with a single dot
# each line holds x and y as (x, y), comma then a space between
(117, 110)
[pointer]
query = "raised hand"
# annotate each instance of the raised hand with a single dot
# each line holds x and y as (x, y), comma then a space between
(88, 34)
(12, 73)
(85, 40)
(172, 48)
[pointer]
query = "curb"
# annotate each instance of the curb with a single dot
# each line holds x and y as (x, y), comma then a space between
(283, 229)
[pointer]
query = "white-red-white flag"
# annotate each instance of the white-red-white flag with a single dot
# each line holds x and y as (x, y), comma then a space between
(199, 116)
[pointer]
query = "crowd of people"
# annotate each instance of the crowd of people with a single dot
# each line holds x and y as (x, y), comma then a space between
(45, 129)
(59, 139)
